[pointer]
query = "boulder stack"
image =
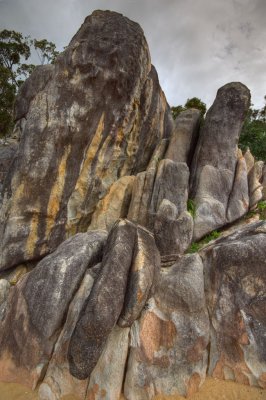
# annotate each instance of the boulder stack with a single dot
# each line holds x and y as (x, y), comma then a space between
(102, 205)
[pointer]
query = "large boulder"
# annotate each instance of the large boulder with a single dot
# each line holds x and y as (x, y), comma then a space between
(214, 162)
(104, 305)
(58, 380)
(235, 284)
(118, 295)
(94, 116)
(107, 378)
(255, 177)
(238, 202)
(173, 233)
(38, 304)
(168, 350)
(184, 137)
(159, 202)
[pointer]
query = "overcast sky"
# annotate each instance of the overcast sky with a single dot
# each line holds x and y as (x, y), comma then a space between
(196, 45)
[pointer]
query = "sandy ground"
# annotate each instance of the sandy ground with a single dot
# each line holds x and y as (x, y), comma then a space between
(212, 389)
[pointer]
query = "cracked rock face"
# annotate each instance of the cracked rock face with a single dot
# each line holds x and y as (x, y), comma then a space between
(236, 286)
(94, 116)
(213, 168)
(168, 352)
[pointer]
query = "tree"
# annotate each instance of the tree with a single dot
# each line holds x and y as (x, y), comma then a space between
(195, 102)
(177, 110)
(46, 51)
(7, 96)
(253, 134)
(13, 48)
(15, 51)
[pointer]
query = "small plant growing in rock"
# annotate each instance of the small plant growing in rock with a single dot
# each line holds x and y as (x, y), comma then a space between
(191, 207)
(195, 247)
(212, 236)
(262, 209)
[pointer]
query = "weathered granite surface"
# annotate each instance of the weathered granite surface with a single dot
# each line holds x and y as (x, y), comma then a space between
(38, 304)
(94, 116)
(168, 350)
(100, 295)
(215, 158)
(235, 285)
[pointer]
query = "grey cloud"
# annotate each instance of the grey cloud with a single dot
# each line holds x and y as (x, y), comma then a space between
(196, 46)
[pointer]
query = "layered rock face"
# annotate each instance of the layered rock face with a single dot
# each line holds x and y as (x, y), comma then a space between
(100, 295)
(218, 176)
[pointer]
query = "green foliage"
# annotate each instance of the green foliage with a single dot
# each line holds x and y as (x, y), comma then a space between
(250, 214)
(253, 134)
(46, 51)
(260, 211)
(7, 96)
(195, 102)
(196, 246)
(15, 50)
(177, 110)
(191, 207)
(261, 206)
(212, 236)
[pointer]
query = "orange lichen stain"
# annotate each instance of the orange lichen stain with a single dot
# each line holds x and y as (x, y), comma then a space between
(244, 339)
(81, 187)
(33, 235)
(240, 369)
(11, 373)
(56, 193)
(140, 259)
(18, 193)
(194, 354)
(243, 336)
(111, 206)
(193, 384)
(139, 296)
(93, 392)
(156, 333)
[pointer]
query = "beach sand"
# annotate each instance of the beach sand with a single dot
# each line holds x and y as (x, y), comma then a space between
(212, 389)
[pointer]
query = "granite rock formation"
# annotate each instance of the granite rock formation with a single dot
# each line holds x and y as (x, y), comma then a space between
(235, 274)
(94, 116)
(102, 205)
(213, 173)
